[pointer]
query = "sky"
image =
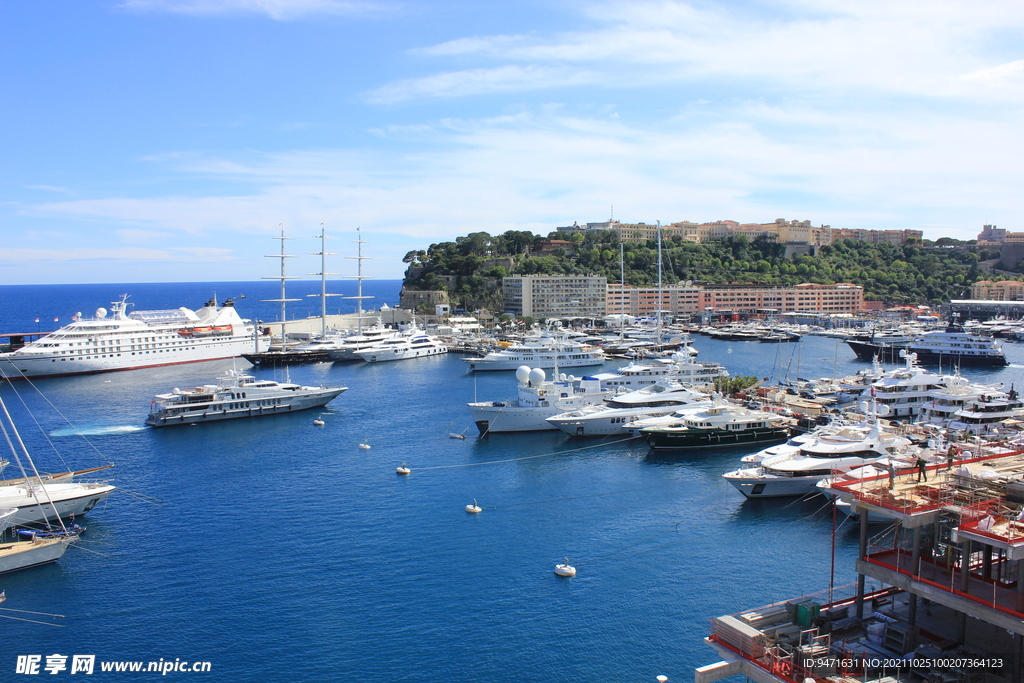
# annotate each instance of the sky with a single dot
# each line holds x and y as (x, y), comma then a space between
(172, 140)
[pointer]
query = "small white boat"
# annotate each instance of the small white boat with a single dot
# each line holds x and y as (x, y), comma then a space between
(318, 422)
(402, 469)
(474, 508)
(565, 569)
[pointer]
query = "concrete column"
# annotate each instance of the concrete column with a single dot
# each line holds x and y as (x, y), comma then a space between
(859, 604)
(965, 578)
(915, 557)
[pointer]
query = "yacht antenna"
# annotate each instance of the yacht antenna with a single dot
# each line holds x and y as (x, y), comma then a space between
(282, 277)
(659, 282)
(323, 254)
(359, 279)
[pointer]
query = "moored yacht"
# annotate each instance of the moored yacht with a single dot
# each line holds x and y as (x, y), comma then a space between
(537, 400)
(721, 424)
(235, 396)
(795, 470)
(613, 416)
(545, 352)
(412, 343)
(347, 347)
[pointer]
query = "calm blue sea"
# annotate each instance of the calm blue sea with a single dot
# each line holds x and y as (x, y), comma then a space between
(280, 551)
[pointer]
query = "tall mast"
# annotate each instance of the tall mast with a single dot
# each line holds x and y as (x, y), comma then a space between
(622, 289)
(659, 282)
(359, 277)
(323, 254)
(282, 277)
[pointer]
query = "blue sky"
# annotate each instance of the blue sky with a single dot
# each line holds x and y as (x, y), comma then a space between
(166, 140)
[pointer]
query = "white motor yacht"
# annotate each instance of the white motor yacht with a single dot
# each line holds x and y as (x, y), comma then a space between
(411, 343)
(546, 352)
(537, 400)
(347, 347)
(236, 396)
(794, 471)
(613, 416)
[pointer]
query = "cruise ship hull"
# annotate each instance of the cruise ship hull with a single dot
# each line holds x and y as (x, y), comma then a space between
(491, 419)
(13, 366)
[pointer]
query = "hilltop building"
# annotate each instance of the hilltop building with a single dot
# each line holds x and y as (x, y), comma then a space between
(780, 230)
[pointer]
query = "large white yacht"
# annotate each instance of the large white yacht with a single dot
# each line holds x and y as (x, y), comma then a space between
(346, 348)
(901, 393)
(538, 399)
(794, 470)
(719, 424)
(612, 417)
(235, 396)
(39, 503)
(412, 343)
(546, 352)
(142, 339)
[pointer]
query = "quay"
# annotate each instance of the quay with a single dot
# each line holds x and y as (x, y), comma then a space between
(939, 595)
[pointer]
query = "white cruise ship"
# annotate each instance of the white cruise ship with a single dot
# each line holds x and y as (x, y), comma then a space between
(235, 396)
(142, 339)
(546, 352)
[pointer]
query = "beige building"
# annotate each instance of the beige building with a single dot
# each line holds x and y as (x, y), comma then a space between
(1007, 290)
(781, 230)
(554, 296)
(740, 298)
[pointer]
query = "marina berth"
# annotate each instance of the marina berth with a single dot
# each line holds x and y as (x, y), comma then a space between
(141, 339)
(236, 396)
(546, 352)
(721, 424)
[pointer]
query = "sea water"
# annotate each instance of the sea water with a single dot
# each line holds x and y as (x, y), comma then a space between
(277, 550)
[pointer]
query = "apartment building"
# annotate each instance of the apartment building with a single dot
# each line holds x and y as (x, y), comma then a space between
(738, 298)
(554, 296)
(1007, 290)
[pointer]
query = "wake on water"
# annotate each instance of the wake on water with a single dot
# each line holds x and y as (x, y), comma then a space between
(96, 430)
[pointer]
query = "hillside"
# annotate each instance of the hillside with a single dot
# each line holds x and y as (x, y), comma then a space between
(471, 268)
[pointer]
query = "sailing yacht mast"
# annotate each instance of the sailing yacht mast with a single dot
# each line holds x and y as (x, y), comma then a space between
(659, 282)
(323, 254)
(359, 278)
(282, 277)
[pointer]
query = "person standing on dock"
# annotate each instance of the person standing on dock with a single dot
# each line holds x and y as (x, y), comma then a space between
(892, 475)
(922, 472)
(951, 456)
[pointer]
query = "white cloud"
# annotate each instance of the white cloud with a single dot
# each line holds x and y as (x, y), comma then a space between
(481, 82)
(912, 48)
(281, 10)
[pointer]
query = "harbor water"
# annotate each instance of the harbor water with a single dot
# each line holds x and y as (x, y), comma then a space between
(278, 550)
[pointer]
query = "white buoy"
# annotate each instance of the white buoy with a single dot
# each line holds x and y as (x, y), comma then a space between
(402, 469)
(474, 508)
(565, 569)
(318, 422)
(365, 445)
(661, 679)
